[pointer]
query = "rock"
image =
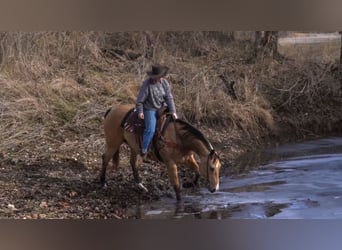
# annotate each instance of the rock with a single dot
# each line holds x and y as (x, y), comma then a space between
(73, 194)
(43, 204)
(42, 216)
(35, 216)
(12, 207)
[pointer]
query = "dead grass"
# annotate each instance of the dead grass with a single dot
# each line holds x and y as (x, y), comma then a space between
(56, 86)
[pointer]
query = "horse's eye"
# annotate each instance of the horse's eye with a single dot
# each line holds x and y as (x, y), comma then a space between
(212, 169)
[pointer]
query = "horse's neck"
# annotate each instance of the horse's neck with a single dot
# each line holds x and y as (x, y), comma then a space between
(194, 144)
(199, 148)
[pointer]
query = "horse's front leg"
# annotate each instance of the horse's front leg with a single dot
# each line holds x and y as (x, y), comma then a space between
(173, 177)
(103, 170)
(191, 162)
(134, 165)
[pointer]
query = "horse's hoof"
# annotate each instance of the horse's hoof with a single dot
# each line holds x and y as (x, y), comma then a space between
(103, 186)
(100, 183)
(147, 161)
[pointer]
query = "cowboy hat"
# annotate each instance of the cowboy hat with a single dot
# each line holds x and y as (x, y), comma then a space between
(157, 71)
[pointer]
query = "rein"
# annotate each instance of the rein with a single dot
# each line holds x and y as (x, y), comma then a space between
(179, 145)
(170, 144)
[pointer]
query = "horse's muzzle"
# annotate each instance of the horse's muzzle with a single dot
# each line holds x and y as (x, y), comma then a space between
(213, 190)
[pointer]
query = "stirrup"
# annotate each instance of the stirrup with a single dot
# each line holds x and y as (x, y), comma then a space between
(142, 154)
(144, 158)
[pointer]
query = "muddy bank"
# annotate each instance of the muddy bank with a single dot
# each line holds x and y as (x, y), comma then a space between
(69, 189)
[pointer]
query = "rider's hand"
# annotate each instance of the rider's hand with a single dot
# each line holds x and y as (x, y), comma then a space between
(141, 116)
(174, 116)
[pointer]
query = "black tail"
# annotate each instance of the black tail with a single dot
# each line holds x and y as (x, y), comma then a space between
(107, 112)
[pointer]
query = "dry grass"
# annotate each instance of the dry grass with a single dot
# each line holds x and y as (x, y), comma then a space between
(56, 86)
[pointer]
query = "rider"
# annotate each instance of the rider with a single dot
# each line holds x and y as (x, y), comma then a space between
(153, 94)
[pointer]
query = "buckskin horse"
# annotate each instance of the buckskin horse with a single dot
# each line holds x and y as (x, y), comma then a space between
(175, 145)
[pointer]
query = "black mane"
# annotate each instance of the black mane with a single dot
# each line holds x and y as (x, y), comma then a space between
(195, 132)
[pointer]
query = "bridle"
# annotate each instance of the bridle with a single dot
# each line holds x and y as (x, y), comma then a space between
(176, 145)
(212, 152)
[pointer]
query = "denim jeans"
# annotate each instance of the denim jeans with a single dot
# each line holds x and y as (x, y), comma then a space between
(150, 127)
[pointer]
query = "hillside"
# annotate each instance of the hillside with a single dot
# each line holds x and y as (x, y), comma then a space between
(56, 86)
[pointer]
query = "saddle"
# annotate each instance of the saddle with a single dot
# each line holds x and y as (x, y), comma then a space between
(133, 124)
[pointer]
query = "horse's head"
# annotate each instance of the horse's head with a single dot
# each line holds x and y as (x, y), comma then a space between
(193, 140)
(211, 170)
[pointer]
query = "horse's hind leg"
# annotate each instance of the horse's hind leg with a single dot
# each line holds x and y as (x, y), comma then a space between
(116, 159)
(111, 153)
(134, 165)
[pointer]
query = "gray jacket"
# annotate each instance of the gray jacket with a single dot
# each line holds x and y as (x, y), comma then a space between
(154, 96)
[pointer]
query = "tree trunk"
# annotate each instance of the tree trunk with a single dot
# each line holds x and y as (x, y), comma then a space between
(231, 36)
(2, 37)
(257, 40)
(149, 49)
(340, 32)
(266, 44)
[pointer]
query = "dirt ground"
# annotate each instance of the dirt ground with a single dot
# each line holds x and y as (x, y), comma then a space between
(44, 186)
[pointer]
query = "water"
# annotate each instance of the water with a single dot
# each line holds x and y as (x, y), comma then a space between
(294, 181)
(311, 38)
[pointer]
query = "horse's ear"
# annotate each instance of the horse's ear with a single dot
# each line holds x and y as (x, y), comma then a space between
(214, 155)
(218, 155)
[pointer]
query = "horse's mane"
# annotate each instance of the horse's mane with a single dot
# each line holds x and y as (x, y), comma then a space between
(192, 131)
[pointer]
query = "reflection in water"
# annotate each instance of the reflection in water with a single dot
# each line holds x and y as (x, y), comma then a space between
(258, 187)
(178, 210)
(253, 160)
(182, 209)
(272, 209)
(195, 211)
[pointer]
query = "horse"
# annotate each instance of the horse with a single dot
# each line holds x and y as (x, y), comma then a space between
(176, 146)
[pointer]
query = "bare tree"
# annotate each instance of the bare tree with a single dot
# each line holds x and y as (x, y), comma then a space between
(149, 49)
(266, 44)
(257, 39)
(340, 32)
(2, 37)
(231, 36)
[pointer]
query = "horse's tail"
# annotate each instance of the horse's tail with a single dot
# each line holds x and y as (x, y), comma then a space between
(108, 110)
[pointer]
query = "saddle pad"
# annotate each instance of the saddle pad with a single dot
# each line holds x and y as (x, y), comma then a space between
(132, 123)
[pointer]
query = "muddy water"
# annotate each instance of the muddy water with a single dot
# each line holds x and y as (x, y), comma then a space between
(302, 180)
